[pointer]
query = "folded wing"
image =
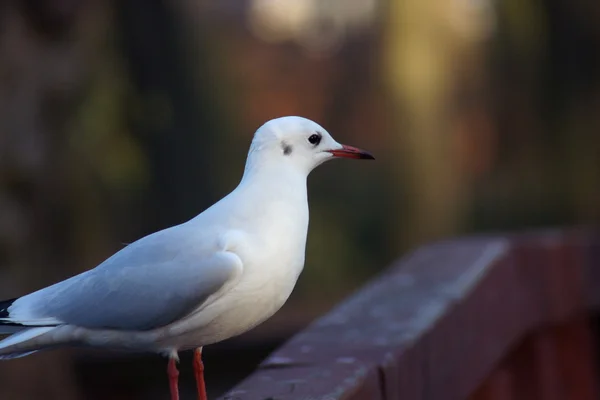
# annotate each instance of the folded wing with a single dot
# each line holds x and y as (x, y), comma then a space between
(148, 284)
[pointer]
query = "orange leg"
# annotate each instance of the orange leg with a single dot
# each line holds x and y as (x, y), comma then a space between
(173, 378)
(199, 372)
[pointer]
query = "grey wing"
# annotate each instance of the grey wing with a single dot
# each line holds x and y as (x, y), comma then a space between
(131, 290)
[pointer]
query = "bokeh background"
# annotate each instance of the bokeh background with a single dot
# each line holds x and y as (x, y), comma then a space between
(119, 118)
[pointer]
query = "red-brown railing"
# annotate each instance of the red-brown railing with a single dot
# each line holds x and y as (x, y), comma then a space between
(474, 318)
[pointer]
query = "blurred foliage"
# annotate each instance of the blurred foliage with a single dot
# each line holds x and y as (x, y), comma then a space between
(121, 118)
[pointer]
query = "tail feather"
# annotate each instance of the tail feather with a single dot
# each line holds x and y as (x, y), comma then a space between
(19, 345)
(7, 326)
(4, 307)
(16, 355)
(15, 316)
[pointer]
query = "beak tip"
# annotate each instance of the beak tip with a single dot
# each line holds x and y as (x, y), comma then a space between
(367, 156)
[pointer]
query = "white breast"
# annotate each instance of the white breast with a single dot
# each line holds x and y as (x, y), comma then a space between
(273, 258)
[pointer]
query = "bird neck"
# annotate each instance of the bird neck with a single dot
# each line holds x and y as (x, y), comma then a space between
(276, 180)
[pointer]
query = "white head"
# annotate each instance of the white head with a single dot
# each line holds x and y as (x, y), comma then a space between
(296, 142)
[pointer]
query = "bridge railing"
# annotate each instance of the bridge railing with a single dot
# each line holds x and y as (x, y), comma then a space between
(497, 317)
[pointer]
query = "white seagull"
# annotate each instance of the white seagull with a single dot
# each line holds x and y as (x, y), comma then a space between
(213, 277)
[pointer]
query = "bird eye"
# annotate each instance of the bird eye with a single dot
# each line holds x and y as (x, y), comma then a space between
(314, 139)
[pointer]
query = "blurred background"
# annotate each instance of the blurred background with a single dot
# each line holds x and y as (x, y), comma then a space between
(121, 118)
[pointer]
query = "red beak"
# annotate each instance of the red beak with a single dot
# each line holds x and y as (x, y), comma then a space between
(351, 152)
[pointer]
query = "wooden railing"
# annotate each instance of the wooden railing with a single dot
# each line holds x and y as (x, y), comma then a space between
(474, 318)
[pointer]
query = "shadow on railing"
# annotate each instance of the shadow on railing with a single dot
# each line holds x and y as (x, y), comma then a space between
(474, 318)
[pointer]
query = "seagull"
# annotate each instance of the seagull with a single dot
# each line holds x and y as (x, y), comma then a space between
(213, 277)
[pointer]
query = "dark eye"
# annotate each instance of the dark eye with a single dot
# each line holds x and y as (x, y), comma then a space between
(314, 139)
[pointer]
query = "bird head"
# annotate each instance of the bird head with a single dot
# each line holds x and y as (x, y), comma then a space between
(298, 142)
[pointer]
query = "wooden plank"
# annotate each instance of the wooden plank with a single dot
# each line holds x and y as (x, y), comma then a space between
(534, 365)
(553, 363)
(591, 260)
(576, 365)
(499, 386)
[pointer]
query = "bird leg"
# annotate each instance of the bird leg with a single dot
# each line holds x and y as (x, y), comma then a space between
(199, 373)
(173, 378)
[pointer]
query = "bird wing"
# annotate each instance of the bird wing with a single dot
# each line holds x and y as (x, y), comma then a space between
(148, 284)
